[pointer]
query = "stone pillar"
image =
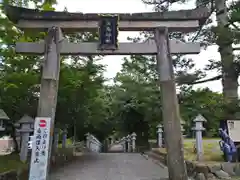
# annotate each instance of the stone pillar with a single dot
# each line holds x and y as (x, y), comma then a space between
(56, 138)
(124, 144)
(64, 138)
(198, 130)
(88, 140)
(182, 127)
(134, 135)
(17, 134)
(129, 143)
(24, 131)
(26, 127)
(111, 140)
(160, 135)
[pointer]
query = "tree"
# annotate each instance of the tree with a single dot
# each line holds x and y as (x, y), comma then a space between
(224, 35)
(205, 102)
(82, 100)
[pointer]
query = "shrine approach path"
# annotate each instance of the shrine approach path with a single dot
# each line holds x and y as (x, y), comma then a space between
(111, 166)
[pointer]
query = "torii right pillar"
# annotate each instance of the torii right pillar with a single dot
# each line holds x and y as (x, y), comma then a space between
(170, 109)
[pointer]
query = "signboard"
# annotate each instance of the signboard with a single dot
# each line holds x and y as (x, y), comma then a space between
(234, 129)
(108, 32)
(40, 149)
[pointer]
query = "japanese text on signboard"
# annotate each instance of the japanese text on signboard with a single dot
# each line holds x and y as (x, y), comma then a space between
(40, 149)
(108, 32)
(41, 141)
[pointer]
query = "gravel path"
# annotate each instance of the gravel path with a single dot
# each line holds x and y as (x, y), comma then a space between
(111, 166)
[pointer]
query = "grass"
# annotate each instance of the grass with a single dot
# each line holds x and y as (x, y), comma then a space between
(65, 151)
(68, 142)
(10, 162)
(212, 152)
(211, 149)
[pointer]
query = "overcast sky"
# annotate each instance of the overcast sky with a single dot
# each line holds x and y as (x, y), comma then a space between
(130, 6)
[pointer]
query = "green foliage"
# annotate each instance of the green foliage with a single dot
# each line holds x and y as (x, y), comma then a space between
(86, 104)
(205, 102)
(81, 101)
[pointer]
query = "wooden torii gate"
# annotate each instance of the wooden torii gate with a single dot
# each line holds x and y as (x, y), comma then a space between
(160, 23)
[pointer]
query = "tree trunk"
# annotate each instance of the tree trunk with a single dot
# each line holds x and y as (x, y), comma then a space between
(13, 135)
(229, 74)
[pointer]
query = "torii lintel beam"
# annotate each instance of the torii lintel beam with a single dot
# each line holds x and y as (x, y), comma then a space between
(183, 20)
(146, 48)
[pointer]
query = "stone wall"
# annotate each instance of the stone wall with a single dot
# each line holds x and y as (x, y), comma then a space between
(61, 158)
(6, 145)
(204, 171)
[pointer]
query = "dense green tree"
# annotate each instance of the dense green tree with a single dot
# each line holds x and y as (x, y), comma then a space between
(224, 35)
(86, 104)
(81, 98)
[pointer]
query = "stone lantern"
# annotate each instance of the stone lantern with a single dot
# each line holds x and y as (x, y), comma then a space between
(3, 119)
(64, 138)
(133, 136)
(55, 139)
(182, 122)
(88, 140)
(160, 135)
(123, 142)
(199, 120)
(26, 127)
(128, 143)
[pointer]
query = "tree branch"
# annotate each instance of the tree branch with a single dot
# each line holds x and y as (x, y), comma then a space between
(201, 28)
(206, 80)
(236, 48)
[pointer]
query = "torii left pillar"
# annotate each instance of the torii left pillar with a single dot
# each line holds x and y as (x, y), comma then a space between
(49, 81)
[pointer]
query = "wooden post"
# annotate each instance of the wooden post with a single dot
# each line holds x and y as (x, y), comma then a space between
(49, 81)
(171, 117)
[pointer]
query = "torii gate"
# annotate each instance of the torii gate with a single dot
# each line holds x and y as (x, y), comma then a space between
(160, 23)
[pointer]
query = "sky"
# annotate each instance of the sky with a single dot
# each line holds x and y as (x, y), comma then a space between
(132, 6)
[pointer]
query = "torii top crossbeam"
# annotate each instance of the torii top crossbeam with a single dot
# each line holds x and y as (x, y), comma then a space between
(183, 20)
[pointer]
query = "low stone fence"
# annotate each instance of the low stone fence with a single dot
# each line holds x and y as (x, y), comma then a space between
(203, 170)
(6, 145)
(92, 143)
(62, 157)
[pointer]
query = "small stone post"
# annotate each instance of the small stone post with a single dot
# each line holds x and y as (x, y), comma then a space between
(64, 138)
(88, 140)
(182, 127)
(129, 143)
(111, 140)
(198, 129)
(26, 127)
(124, 144)
(160, 135)
(56, 138)
(133, 141)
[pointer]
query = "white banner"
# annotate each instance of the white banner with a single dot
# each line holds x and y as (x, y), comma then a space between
(234, 129)
(40, 149)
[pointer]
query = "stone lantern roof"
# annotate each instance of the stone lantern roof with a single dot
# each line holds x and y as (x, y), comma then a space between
(26, 120)
(3, 115)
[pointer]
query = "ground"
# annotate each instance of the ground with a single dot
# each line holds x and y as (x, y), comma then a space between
(117, 166)
(10, 162)
(111, 166)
